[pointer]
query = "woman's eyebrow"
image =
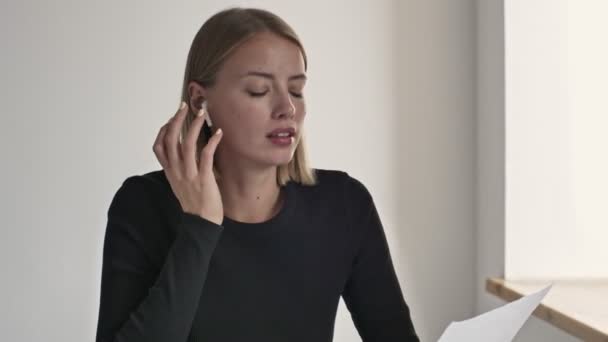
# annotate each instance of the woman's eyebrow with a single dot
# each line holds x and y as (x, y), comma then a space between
(271, 76)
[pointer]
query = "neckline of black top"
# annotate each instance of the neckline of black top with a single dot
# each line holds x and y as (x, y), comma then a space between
(277, 222)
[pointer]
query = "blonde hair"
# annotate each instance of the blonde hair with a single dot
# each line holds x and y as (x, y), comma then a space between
(213, 43)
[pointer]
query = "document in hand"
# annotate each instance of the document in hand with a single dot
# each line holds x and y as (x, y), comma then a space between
(498, 325)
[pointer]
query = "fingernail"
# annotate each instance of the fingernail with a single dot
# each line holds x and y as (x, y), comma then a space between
(219, 130)
(200, 112)
(182, 105)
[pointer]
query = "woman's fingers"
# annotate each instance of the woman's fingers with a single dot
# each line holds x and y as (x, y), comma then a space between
(189, 144)
(159, 146)
(172, 135)
(182, 172)
(206, 162)
(180, 157)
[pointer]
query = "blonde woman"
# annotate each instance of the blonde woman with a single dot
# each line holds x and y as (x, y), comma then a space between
(237, 238)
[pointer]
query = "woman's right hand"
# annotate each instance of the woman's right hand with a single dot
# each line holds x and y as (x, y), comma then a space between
(194, 185)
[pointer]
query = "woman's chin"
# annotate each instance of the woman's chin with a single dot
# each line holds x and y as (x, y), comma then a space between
(280, 159)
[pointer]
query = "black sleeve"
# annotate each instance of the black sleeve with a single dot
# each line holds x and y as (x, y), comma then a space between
(137, 301)
(372, 293)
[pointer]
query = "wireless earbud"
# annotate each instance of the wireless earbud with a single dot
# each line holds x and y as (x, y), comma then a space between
(207, 118)
(207, 124)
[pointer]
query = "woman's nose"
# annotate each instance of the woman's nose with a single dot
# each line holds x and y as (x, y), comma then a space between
(285, 106)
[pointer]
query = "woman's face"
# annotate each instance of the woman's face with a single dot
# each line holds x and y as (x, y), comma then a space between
(257, 90)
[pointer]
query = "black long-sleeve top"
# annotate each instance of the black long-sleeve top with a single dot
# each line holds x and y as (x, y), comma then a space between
(172, 276)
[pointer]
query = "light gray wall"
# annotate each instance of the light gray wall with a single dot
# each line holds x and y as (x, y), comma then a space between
(436, 94)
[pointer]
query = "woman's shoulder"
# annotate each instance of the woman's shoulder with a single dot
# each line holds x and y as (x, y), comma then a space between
(329, 176)
(350, 188)
(149, 182)
(345, 194)
(147, 194)
(143, 211)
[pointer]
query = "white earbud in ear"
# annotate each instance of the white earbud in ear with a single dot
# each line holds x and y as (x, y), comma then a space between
(204, 110)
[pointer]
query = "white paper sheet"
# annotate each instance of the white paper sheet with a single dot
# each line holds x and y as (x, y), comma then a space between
(498, 325)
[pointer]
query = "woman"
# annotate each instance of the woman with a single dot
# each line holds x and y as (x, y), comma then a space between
(242, 240)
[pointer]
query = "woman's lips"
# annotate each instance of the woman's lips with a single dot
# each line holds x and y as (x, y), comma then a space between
(281, 141)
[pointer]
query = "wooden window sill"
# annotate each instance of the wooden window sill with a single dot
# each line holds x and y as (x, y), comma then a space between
(579, 307)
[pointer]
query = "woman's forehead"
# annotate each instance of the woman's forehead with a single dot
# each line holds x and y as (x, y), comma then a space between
(266, 54)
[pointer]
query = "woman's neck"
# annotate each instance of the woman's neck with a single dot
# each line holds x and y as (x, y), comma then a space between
(250, 197)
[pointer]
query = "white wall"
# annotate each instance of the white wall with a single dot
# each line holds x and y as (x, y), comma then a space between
(491, 167)
(86, 85)
(556, 139)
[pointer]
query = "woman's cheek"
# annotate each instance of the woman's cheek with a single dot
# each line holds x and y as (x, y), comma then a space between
(302, 112)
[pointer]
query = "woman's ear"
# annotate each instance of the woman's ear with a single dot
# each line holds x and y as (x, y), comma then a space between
(197, 94)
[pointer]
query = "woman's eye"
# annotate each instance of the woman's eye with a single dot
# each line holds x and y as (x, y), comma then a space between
(254, 94)
(258, 94)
